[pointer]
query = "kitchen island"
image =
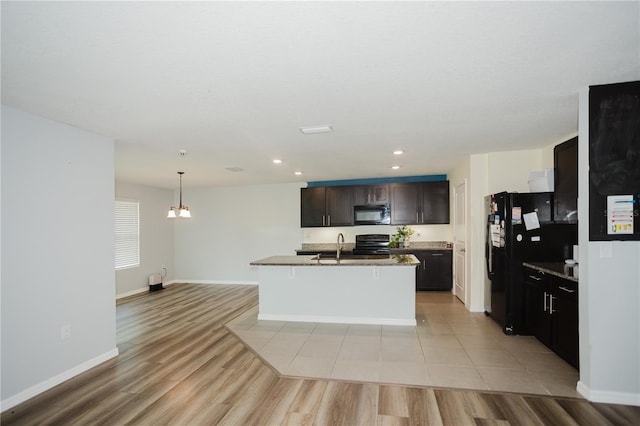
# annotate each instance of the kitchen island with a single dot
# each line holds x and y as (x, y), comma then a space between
(350, 291)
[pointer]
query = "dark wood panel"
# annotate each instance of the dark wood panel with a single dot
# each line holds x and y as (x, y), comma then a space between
(565, 162)
(614, 154)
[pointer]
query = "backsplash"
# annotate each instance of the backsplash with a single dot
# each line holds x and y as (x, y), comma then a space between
(424, 233)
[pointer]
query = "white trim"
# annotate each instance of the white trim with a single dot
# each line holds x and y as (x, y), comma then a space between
(168, 283)
(608, 397)
(143, 290)
(219, 282)
(132, 293)
(56, 380)
(337, 320)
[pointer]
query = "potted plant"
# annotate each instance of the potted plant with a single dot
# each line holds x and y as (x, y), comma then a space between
(401, 237)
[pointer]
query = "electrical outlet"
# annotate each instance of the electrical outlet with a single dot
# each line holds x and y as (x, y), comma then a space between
(65, 332)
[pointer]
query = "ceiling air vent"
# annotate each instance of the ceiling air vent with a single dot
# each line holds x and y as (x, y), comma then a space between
(316, 129)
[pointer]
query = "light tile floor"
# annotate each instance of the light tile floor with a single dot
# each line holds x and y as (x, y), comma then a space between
(450, 347)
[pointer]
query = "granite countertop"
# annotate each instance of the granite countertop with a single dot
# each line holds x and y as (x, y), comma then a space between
(559, 269)
(397, 260)
(348, 247)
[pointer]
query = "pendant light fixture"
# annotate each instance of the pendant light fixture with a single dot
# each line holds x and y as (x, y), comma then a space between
(181, 211)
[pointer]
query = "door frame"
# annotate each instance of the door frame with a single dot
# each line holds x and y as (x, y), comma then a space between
(456, 242)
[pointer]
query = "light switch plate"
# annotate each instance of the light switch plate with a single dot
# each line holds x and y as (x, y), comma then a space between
(606, 250)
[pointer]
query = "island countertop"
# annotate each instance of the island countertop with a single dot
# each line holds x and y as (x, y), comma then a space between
(395, 260)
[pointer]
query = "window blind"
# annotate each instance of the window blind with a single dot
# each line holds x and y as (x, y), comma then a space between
(127, 234)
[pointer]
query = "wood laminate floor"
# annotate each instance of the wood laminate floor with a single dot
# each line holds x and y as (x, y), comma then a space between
(179, 365)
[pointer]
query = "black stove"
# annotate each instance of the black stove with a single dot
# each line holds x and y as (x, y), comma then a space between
(372, 244)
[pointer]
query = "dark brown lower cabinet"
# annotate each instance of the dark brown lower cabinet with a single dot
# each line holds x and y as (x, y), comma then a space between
(435, 272)
(551, 313)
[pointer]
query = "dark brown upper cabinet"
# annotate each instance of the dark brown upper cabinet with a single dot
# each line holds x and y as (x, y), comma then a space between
(565, 163)
(371, 194)
(326, 206)
(420, 203)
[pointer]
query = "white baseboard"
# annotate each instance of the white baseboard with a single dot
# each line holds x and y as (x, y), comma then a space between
(131, 293)
(608, 397)
(337, 320)
(211, 282)
(56, 380)
(168, 283)
(219, 282)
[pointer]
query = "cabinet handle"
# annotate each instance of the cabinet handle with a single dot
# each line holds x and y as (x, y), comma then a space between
(567, 290)
(417, 220)
(424, 265)
(551, 311)
(545, 302)
(437, 254)
(323, 222)
(533, 277)
(421, 217)
(328, 220)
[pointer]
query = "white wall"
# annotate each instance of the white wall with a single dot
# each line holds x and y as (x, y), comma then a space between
(421, 232)
(609, 300)
(231, 226)
(156, 237)
(490, 173)
(509, 170)
(57, 253)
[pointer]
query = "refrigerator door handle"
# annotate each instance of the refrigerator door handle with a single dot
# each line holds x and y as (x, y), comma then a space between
(489, 252)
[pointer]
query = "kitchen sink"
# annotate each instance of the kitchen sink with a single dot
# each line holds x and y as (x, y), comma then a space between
(348, 256)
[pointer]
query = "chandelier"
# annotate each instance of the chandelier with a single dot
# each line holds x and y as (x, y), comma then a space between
(181, 211)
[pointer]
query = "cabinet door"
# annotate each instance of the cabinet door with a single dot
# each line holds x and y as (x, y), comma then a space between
(361, 196)
(421, 276)
(537, 297)
(339, 206)
(437, 270)
(379, 194)
(404, 203)
(435, 202)
(565, 321)
(371, 194)
(312, 207)
(565, 160)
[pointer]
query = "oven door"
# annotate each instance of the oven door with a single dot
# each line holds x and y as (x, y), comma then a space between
(372, 215)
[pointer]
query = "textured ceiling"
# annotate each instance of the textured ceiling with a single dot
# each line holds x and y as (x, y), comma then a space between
(232, 82)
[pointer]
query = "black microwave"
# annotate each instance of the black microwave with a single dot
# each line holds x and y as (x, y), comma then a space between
(379, 214)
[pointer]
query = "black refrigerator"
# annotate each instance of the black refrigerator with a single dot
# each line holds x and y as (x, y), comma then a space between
(520, 228)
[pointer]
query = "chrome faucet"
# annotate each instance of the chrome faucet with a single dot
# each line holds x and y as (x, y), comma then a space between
(338, 248)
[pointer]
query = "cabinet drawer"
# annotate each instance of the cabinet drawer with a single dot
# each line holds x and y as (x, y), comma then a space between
(532, 276)
(566, 288)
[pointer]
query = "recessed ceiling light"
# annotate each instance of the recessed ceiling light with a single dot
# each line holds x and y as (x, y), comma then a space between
(298, 173)
(395, 167)
(276, 161)
(316, 129)
(398, 152)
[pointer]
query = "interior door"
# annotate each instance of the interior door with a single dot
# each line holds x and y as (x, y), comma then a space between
(459, 244)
